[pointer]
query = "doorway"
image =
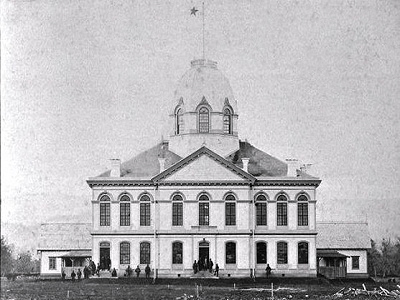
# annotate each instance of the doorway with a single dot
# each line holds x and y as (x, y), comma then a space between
(105, 261)
(204, 255)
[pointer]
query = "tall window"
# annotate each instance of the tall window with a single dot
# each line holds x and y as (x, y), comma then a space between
(227, 121)
(204, 210)
(261, 253)
(125, 211)
(177, 210)
(355, 262)
(230, 210)
(145, 210)
(302, 210)
(204, 120)
(230, 253)
(144, 253)
(282, 253)
(179, 121)
(52, 263)
(177, 253)
(261, 210)
(281, 207)
(105, 210)
(302, 253)
(124, 253)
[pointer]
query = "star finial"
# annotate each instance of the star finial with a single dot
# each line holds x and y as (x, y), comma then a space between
(193, 11)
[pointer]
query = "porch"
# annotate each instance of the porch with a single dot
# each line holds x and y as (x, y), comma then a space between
(331, 264)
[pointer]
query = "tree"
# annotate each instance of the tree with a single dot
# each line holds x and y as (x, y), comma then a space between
(374, 258)
(7, 260)
(25, 264)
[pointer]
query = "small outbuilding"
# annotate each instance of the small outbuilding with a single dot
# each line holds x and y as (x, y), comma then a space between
(64, 247)
(342, 249)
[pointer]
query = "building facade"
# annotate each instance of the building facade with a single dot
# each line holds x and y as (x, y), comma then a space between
(204, 194)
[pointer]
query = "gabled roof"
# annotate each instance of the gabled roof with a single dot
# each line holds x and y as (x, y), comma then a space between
(340, 235)
(260, 164)
(204, 151)
(65, 236)
(146, 164)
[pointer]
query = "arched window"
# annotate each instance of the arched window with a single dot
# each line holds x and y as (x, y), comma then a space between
(145, 210)
(204, 120)
(282, 253)
(204, 210)
(261, 210)
(177, 253)
(230, 210)
(281, 207)
(124, 253)
(177, 210)
(227, 121)
(125, 211)
(302, 210)
(261, 252)
(179, 121)
(105, 210)
(302, 253)
(144, 253)
(230, 253)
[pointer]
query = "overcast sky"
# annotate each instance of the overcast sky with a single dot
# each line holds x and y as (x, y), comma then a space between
(86, 81)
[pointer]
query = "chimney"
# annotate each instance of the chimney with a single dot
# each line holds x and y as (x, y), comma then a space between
(293, 164)
(115, 167)
(161, 160)
(245, 161)
(305, 168)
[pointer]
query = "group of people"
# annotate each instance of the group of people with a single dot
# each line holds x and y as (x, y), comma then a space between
(205, 264)
(129, 271)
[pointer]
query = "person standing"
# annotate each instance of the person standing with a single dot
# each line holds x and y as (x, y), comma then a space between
(79, 273)
(137, 270)
(147, 271)
(210, 266)
(195, 267)
(268, 270)
(73, 275)
(216, 270)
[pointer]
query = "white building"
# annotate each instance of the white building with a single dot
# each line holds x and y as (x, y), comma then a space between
(342, 249)
(204, 194)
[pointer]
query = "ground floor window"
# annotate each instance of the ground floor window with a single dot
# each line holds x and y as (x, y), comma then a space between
(303, 253)
(355, 262)
(261, 253)
(282, 253)
(230, 253)
(177, 253)
(52, 263)
(125, 253)
(145, 253)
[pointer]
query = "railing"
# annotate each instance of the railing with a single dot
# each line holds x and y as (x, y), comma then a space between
(332, 272)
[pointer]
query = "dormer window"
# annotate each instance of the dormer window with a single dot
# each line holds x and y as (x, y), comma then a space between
(204, 120)
(227, 121)
(179, 121)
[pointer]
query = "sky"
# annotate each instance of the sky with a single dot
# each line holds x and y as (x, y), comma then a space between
(86, 81)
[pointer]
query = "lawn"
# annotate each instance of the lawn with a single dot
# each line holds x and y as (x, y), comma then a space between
(182, 288)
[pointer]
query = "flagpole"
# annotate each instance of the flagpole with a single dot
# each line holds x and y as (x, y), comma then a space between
(204, 57)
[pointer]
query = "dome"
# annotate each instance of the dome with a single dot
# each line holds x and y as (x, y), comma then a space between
(204, 79)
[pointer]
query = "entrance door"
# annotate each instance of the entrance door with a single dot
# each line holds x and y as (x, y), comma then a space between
(105, 261)
(204, 255)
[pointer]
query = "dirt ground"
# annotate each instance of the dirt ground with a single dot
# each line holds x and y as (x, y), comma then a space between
(180, 289)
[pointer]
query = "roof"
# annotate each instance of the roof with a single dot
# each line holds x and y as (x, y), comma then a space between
(204, 150)
(329, 253)
(261, 165)
(145, 165)
(65, 236)
(78, 253)
(341, 235)
(204, 81)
